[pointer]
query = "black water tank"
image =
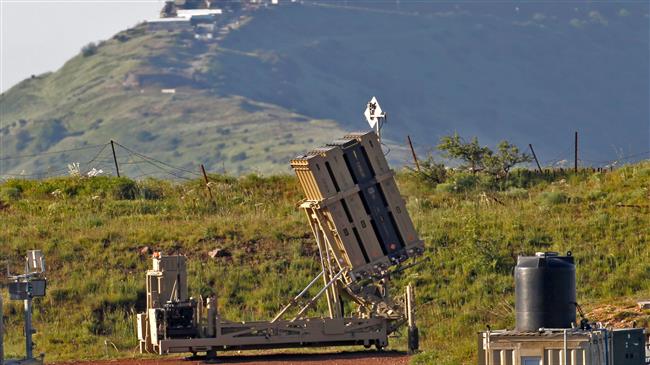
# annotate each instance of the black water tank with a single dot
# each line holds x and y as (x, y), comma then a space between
(545, 291)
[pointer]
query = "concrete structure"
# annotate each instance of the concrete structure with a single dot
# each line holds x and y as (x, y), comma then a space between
(363, 234)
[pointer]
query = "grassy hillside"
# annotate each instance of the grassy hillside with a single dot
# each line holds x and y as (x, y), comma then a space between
(289, 77)
(115, 93)
(92, 231)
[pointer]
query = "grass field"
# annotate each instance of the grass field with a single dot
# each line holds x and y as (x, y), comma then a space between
(92, 231)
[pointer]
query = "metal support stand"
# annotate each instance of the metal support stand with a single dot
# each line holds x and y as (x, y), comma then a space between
(29, 344)
(26, 287)
(413, 332)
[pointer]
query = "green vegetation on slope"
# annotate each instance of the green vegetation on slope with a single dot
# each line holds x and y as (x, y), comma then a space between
(93, 229)
(116, 93)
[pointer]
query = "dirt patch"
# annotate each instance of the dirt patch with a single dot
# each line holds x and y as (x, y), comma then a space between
(621, 316)
(347, 358)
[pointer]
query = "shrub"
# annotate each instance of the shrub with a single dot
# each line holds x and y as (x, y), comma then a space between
(465, 182)
(241, 156)
(150, 191)
(432, 172)
(489, 182)
(125, 189)
(445, 188)
(10, 193)
(121, 37)
(89, 49)
(145, 136)
(23, 138)
(553, 197)
(49, 133)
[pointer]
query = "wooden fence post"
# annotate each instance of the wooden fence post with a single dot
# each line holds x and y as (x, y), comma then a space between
(415, 158)
(117, 167)
(207, 185)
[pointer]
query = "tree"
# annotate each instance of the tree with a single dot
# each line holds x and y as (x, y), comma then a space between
(506, 157)
(476, 158)
(471, 153)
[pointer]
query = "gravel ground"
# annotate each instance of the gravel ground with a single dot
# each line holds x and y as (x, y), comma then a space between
(348, 358)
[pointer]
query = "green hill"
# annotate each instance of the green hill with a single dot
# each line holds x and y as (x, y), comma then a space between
(92, 231)
(282, 79)
(115, 93)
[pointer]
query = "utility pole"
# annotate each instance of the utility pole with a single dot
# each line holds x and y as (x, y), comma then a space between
(575, 155)
(415, 158)
(535, 157)
(117, 167)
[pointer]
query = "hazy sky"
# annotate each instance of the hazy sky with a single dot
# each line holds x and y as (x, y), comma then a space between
(40, 35)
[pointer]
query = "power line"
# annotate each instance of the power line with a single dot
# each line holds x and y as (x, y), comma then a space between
(97, 155)
(158, 161)
(153, 162)
(135, 163)
(558, 157)
(622, 158)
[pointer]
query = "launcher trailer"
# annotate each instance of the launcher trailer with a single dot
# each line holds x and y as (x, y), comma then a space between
(363, 233)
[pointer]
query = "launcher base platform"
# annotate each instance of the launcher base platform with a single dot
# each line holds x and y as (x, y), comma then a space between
(313, 332)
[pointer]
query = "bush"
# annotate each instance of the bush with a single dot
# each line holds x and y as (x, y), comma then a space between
(553, 197)
(23, 138)
(241, 156)
(89, 49)
(145, 136)
(10, 193)
(150, 191)
(445, 188)
(489, 182)
(432, 172)
(465, 182)
(121, 37)
(125, 189)
(49, 133)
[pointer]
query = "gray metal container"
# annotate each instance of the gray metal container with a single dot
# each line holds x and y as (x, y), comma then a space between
(545, 292)
(628, 346)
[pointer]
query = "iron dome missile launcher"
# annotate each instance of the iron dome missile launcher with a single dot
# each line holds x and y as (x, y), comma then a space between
(363, 233)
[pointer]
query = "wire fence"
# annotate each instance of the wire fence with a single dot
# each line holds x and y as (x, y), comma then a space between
(103, 161)
(563, 161)
(137, 165)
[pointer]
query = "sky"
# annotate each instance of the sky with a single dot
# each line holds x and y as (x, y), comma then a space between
(38, 36)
